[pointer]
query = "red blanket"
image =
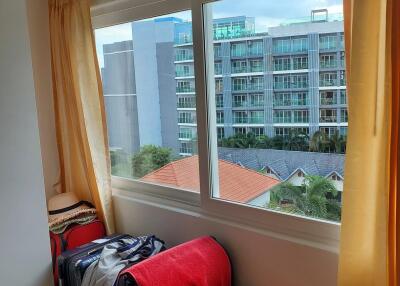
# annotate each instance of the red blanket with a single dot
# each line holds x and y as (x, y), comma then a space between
(200, 262)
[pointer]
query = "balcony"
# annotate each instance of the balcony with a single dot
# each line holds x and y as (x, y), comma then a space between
(328, 82)
(186, 136)
(328, 101)
(328, 64)
(328, 119)
(185, 89)
(256, 120)
(186, 105)
(240, 120)
(186, 120)
(183, 73)
(183, 57)
(239, 103)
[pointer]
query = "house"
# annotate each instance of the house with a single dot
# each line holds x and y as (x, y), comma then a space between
(290, 166)
(236, 183)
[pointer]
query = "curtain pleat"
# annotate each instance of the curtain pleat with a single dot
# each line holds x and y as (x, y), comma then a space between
(368, 250)
(79, 107)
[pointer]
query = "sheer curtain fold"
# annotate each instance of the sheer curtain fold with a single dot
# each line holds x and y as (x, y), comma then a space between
(369, 232)
(79, 106)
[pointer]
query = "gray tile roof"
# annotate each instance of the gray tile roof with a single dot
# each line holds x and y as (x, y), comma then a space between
(284, 163)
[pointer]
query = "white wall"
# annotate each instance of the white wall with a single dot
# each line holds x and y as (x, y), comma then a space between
(41, 61)
(24, 243)
(257, 259)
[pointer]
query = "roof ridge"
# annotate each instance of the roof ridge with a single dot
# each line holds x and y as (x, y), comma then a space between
(165, 166)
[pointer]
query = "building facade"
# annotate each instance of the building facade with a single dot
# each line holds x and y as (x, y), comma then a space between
(291, 78)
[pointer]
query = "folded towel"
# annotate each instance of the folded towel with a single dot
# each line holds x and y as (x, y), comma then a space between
(84, 218)
(200, 262)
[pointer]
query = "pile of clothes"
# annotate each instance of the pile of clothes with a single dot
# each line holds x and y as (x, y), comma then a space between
(65, 209)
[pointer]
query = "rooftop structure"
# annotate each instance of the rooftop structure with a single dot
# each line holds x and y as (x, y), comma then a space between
(235, 183)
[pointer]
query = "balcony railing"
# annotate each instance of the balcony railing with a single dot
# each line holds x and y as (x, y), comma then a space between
(186, 104)
(183, 74)
(282, 119)
(328, 64)
(183, 135)
(239, 103)
(191, 120)
(328, 101)
(328, 119)
(185, 89)
(328, 82)
(240, 120)
(183, 57)
(256, 120)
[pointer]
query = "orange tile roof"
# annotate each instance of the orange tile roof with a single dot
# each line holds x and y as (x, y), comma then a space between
(236, 183)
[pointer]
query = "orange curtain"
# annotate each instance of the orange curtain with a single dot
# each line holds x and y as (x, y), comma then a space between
(370, 216)
(79, 107)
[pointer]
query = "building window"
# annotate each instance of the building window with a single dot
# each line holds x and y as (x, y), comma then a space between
(256, 99)
(281, 81)
(220, 133)
(343, 131)
(327, 97)
(239, 100)
(187, 117)
(281, 46)
(220, 117)
(186, 102)
(300, 98)
(239, 84)
(300, 81)
(183, 54)
(328, 116)
(300, 45)
(342, 78)
(256, 83)
(218, 68)
(239, 66)
(329, 131)
(327, 61)
(185, 133)
(256, 117)
(240, 117)
(343, 96)
(239, 130)
(300, 116)
(256, 66)
(282, 99)
(281, 64)
(219, 88)
(257, 131)
(256, 48)
(238, 50)
(186, 148)
(219, 100)
(328, 79)
(282, 116)
(300, 63)
(343, 115)
(217, 51)
(327, 42)
(185, 86)
(183, 70)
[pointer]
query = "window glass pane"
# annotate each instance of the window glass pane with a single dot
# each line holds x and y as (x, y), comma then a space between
(147, 71)
(285, 90)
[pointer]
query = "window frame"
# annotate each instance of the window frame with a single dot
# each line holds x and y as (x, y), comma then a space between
(305, 230)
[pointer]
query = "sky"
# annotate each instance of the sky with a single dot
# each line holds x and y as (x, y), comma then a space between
(266, 13)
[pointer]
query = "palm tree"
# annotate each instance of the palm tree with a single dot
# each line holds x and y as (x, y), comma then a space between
(337, 142)
(319, 142)
(309, 199)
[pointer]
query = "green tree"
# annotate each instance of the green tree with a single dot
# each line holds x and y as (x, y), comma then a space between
(150, 158)
(319, 142)
(314, 198)
(337, 142)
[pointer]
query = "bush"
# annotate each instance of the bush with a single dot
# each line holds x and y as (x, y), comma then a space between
(150, 158)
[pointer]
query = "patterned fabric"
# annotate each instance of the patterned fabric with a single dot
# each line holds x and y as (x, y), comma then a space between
(82, 219)
(117, 255)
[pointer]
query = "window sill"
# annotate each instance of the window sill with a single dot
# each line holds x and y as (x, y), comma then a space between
(310, 232)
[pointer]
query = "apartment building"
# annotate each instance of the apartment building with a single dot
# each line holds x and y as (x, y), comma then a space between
(291, 77)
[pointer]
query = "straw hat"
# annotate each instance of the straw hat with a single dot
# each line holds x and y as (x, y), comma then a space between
(66, 206)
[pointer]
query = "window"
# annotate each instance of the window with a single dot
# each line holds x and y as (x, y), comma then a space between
(239, 84)
(239, 66)
(281, 64)
(300, 98)
(149, 94)
(219, 100)
(264, 90)
(281, 81)
(327, 115)
(343, 97)
(238, 50)
(282, 99)
(300, 45)
(327, 97)
(300, 63)
(256, 117)
(328, 79)
(342, 78)
(327, 42)
(218, 68)
(239, 100)
(256, 100)
(282, 116)
(256, 66)
(300, 81)
(327, 61)
(255, 48)
(329, 131)
(220, 117)
(239, 117)
(300, 116)
(343, 115)
(281, 46)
